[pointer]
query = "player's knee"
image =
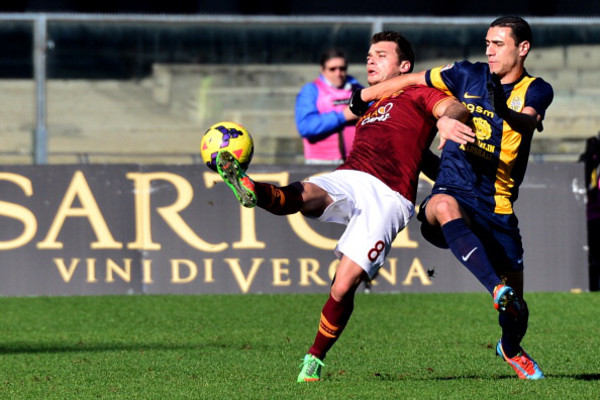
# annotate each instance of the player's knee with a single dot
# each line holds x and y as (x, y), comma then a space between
(344, 289)
(444, 208)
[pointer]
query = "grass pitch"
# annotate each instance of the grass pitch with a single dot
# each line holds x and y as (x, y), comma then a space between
(396, 346)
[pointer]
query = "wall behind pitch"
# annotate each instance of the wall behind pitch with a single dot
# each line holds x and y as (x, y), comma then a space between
(113, 229)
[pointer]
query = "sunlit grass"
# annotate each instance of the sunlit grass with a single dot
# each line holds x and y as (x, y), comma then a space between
(402, 346)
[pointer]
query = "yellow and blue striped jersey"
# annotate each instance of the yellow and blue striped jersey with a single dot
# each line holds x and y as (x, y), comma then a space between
(492, 168)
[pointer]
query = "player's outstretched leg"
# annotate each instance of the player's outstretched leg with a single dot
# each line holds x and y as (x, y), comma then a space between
(311, 369)
(234, 176)
(522, 363)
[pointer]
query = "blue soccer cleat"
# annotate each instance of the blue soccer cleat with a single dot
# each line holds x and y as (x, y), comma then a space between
(522, 363)
(504, 297)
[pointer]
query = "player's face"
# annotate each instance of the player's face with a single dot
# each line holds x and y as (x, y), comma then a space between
(504, 55)
(382, 62)
(334, 71)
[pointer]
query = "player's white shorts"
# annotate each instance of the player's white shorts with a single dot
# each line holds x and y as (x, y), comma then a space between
(373, 213)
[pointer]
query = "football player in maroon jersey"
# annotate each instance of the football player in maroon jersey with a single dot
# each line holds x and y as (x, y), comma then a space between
(373, 191)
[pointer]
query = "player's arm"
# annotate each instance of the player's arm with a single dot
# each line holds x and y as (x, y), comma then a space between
(390, 86)
(359, 103)
(309, 121)
(524, 122)
(452, 117)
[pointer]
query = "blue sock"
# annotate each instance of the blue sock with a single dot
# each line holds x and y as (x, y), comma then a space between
(468, 249)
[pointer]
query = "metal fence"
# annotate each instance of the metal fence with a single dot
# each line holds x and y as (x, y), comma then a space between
(138, 88)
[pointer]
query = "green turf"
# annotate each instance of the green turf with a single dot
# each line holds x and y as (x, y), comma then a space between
(400, 346)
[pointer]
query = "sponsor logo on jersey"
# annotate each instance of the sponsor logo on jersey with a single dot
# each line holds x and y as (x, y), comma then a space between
(381, 114)
(480, 149)
(470, 96)
(474, 108)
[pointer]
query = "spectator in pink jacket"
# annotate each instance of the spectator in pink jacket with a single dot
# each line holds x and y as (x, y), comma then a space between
(322, 115)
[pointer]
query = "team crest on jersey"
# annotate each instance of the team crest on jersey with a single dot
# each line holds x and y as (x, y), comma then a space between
(516, 103)
(483, 130)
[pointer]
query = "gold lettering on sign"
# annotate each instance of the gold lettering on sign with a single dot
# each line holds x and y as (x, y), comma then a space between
(18, 212)
(333, 268)
(113, 268)
(244, 282)
(89, 209)
(416, 270)
(390, 275)
(170, 214)
(403, 240)
(147, 272)
(208, 270)
(301, 227)
(66, 273)
(279, 272)
(248, 239)
(176, 271)
(91, 270)
(309, 268)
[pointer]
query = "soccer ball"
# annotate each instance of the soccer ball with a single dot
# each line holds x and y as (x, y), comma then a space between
(227, 136)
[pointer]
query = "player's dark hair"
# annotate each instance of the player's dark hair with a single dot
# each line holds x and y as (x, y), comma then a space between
(331, 53)
(520, 29)
(404, 49)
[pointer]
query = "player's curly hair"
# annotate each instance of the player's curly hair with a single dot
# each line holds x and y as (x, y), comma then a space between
(520, 29)
(404, 49)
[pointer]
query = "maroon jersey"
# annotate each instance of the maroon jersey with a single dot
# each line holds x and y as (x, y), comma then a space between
(392, 136)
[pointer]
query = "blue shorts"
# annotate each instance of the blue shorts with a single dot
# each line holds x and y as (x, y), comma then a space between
(499, 233)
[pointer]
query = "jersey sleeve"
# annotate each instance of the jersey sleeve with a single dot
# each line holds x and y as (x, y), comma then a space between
(539, 96)
(431, 97)
(444, 77)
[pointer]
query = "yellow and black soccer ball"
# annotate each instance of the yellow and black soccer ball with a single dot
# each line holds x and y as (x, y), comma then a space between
(228, 136)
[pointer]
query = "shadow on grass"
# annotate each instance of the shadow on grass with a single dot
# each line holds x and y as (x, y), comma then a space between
(579, 377)
(391, 377)
(34, 348)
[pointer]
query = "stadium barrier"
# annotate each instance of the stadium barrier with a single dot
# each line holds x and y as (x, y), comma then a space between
(73, 84)
(150, 229)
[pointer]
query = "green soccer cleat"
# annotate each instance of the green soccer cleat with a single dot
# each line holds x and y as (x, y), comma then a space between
(235, 177)
(311, 369)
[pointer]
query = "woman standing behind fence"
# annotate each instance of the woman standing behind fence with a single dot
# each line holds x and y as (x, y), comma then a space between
(322, 115)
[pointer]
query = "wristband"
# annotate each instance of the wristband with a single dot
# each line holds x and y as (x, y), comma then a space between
(357, 105)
